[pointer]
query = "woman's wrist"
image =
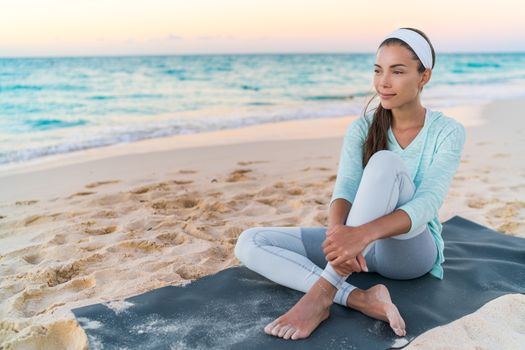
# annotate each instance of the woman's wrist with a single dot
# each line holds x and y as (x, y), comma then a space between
(366, 236)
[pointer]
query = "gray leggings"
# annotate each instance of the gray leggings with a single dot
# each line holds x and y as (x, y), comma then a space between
(293, 256)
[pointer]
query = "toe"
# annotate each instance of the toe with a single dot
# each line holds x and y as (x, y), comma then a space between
(289, 333)
(269, 327)
(296, 335)
(283, 330)
(275, 330)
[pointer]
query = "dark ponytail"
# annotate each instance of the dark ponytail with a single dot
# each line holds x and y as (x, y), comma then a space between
(378, 131)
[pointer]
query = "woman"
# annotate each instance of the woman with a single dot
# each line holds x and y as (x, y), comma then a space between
(395, 169)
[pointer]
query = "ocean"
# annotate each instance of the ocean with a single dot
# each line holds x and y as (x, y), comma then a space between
(58, 105)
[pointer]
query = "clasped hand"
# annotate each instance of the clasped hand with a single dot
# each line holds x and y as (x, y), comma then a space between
(342, 247)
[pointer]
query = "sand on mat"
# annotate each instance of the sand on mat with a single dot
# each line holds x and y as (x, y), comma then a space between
(106, 224)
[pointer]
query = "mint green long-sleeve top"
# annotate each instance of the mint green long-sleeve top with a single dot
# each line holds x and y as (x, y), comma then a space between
(432, 159)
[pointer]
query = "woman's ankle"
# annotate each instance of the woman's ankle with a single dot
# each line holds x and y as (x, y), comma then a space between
(356, 299)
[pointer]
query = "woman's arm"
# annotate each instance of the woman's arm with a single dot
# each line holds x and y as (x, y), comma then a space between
(338, 212)
(393, 224)
(344, 245)
(337, 215)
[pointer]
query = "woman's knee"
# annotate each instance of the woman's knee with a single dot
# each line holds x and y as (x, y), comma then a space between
(244, 243)
(384, 159)
(382, 164)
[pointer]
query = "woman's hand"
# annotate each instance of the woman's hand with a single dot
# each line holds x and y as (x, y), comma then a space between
(343, 244)
(353, 265)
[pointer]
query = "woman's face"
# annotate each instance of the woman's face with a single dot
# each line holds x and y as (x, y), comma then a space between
(395, 74)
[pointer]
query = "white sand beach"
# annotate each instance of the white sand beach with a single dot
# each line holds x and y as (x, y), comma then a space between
(109, 223)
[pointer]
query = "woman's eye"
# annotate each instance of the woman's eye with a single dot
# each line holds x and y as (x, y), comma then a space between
(376, 71)
(398, 72)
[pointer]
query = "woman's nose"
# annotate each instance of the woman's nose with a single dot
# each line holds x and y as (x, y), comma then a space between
(385, 80)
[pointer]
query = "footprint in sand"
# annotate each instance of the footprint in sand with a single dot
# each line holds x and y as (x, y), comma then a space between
(59, 273)
(101, 230)
(33, 259)
(161, 186)
(35, 219)
(507, 211)
(478, 202)
(58, 239)
(187, 171)
(114, 199)
(142, 245)
(252, 162)
(231, 234)
(179, 203)
(37, 301)
(239, 175)
(182, 182)
(29, 202)
(190, 272)
(101, 183)
(172, 238)
(105, 214)
(271, 201)
(215, 193)
(296, 191)
(510, 227)
(90, 246)
(78, 194)
(214, 207)
(198, 231)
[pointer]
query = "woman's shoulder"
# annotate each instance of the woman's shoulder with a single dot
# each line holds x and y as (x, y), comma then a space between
(361, 124)
(441, 124)
(446, 131)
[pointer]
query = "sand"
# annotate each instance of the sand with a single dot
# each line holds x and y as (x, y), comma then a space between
(109, 223)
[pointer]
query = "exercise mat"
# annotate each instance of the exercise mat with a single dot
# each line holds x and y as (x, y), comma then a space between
(228, 310)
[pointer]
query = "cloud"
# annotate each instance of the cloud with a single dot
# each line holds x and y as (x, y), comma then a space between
(173, 37)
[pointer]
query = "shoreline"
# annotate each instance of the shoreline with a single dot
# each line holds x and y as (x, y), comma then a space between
(17, 174)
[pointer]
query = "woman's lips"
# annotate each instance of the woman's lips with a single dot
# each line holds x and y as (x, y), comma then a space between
(386, 97)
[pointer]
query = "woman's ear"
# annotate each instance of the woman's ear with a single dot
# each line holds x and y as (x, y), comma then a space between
(427, 74)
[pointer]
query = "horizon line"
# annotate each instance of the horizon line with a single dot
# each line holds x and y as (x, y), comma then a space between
(242, 54)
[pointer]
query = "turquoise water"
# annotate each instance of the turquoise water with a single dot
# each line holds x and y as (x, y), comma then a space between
(57, 105)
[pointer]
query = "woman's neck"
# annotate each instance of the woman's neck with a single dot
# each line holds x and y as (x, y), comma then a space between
(408, 117)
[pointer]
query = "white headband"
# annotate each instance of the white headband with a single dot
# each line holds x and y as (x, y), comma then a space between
(416, 42)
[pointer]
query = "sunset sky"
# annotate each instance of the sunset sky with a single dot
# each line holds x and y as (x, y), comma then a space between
(133, 27)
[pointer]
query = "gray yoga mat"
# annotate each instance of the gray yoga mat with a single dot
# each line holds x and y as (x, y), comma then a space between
(229, 309)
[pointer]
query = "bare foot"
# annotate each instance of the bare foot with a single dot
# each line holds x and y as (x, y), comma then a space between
(304, 317)
(376, 303)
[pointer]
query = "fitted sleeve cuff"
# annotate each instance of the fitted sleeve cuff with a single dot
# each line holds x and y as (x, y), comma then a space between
(350, 199)
(416, 226)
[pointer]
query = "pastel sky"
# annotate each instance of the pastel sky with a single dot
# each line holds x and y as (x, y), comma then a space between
(129, 27)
